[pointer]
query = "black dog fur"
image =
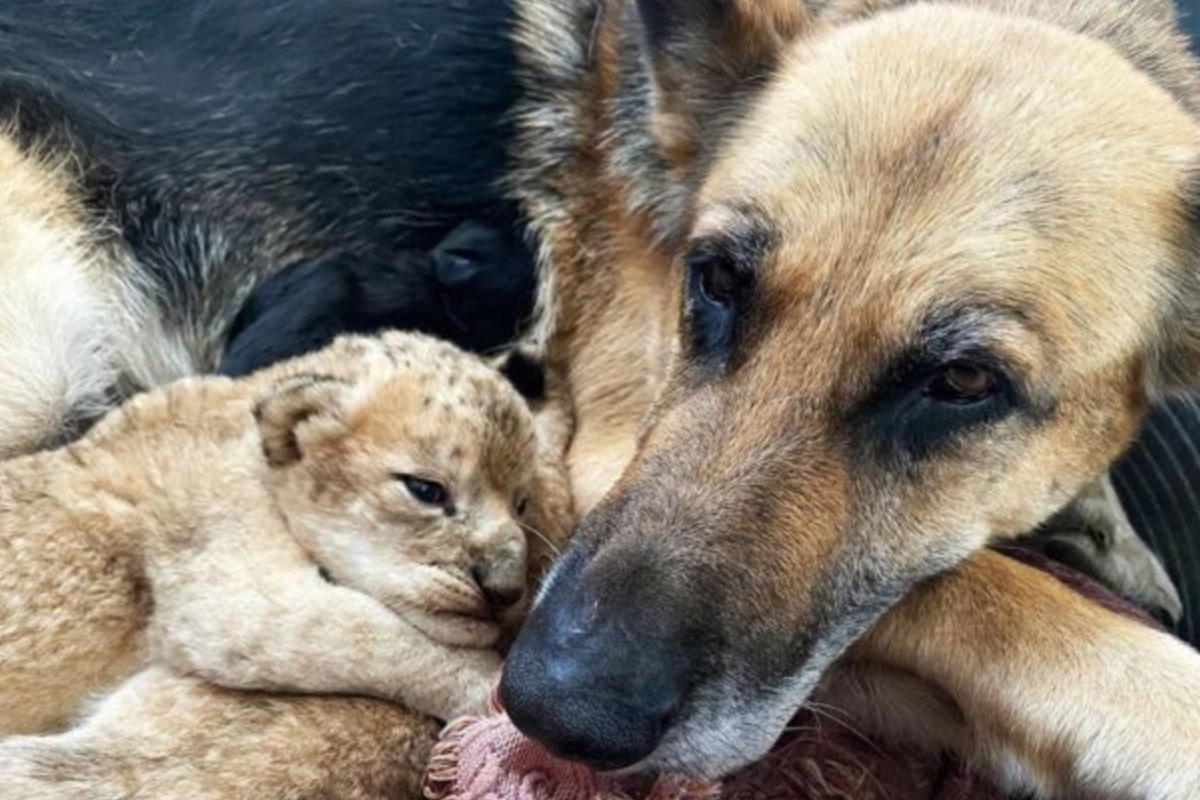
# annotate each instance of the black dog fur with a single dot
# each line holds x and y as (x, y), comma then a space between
(474, 288)
(217, 141)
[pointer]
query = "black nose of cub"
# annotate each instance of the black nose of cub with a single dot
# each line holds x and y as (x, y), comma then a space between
(589, 686)
(502, 586)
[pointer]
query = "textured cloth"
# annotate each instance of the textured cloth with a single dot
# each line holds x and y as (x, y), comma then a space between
(816, 759)
(1158, 482)
(489, 759)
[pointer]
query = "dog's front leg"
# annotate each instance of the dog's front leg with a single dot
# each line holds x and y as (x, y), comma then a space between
(1060, 696)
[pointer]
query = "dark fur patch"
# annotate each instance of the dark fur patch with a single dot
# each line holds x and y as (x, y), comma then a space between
(476, 288)
(220, 140)
(527, 375)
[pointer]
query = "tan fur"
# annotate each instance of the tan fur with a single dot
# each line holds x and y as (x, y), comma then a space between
(1026, 155)
(165, 535)
(54, 347)
(1061, 696)
(163, 737)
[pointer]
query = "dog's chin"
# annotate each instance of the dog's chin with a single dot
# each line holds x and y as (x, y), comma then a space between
(726, 728)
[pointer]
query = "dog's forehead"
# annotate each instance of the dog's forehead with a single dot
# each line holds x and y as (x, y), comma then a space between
(899, 172)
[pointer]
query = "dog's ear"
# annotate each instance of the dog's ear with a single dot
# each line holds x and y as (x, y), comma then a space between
(298, 411)
(704, 55)
(1174, 364)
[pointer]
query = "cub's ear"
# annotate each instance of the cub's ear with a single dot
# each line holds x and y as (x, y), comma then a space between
(299, 411)
(706, 57)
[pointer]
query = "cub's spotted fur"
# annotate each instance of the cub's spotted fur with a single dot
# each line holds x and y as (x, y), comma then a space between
(348, 522)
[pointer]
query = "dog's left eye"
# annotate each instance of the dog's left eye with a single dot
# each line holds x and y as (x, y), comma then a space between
(713, 287)
(428, 492)
(927, 405)
(961, 382)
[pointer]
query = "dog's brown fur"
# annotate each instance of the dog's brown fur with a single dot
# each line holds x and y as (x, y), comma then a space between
(868, 168)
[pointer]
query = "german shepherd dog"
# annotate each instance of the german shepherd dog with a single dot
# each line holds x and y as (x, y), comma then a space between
(845, 291)
(839, 292)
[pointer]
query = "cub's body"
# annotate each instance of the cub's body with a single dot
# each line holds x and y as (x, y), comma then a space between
(260, 534)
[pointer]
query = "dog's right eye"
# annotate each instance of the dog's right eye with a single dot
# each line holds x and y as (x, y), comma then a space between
(428, 492)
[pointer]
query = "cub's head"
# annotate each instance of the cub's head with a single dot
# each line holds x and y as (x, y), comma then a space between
(933, 264)
(404, 466)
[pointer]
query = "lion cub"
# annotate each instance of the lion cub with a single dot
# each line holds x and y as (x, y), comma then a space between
(346, 522)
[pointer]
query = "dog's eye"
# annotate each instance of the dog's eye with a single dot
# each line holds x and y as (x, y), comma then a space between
(423, 491)
(713, 288)
(716, 282)
(923, 406)
(961, 382)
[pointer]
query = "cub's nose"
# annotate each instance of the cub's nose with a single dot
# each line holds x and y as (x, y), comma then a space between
(500, 567)
(500, 596)
(502, 585)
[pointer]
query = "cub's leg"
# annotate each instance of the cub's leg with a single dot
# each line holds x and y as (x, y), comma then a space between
(164, 737)
(1058, 695)
(249, 622)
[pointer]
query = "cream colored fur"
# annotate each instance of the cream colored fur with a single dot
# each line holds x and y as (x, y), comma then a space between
(188, 528)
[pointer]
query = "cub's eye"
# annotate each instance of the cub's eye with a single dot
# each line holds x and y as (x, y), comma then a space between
(521, 505)
(423, 491)
(961, 383)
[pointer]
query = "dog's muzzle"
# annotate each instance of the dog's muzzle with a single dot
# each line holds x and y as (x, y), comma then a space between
(591, 686)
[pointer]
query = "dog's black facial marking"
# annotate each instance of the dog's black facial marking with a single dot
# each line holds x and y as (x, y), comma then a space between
(921, 406)
(948, 383)
(720, 284)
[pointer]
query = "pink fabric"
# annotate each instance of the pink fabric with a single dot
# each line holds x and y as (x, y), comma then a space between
(489, 759)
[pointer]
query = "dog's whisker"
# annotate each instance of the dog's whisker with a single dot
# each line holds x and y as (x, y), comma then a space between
(543, 538)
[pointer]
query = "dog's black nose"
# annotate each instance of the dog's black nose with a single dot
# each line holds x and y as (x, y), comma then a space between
(557, 702)
(590, 687)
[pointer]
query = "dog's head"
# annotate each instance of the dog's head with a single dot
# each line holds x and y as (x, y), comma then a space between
(935, 267)
(404, 466)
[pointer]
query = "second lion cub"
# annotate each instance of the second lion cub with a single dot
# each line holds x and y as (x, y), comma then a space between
(347, 522)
